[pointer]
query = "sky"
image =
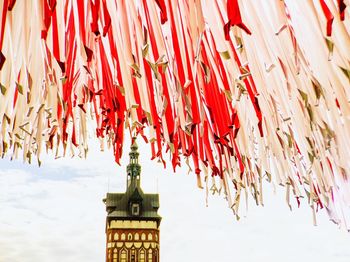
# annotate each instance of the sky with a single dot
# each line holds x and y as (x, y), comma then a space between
(55, 213)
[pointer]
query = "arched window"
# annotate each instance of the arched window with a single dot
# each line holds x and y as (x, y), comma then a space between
(142, 255)
(155, 255)
(110, 236)
(156, 236)
(123, 236)
(129, 236)
(150, 237)
(135, 209)
(115, 255)
(143, 236)
(123, 256)
(133, 255)
(150, 257)
(116, 236)
(137, 236)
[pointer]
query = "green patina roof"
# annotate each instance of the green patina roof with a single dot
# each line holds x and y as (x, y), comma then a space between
(118, 205)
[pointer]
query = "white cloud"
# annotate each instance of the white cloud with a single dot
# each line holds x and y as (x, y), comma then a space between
(51, 220)
(55, 213)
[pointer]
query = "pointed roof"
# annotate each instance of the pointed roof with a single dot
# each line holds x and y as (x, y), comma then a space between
(136, 196)
(118, 205)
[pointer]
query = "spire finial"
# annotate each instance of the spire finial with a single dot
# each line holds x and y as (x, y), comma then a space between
(133, 146)
(133, 168)
(134, 154)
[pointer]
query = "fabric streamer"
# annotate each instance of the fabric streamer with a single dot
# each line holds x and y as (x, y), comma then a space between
(241, 91)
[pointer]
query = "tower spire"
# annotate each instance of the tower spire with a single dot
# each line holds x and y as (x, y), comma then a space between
(133, 168)
(132, 225)
(134, 154)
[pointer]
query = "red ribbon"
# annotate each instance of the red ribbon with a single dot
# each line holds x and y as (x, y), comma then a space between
(328, 16)
(107, 19)
(234, 18)
(2, 59)
(11, 5)
(94, 12)
(163, 13)
(342, 7)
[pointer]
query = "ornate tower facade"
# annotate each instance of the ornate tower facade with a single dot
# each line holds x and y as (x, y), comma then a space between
(132, 224)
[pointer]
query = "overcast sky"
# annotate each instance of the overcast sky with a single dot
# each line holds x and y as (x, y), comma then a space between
(55, 213)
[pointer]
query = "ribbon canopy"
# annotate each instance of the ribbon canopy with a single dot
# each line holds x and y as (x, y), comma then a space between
(243, 90)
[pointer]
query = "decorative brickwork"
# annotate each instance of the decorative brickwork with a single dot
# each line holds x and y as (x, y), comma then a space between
(141, 245)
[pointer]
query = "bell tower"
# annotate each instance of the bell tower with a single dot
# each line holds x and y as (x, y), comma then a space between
(132, 223)
(133, 169)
